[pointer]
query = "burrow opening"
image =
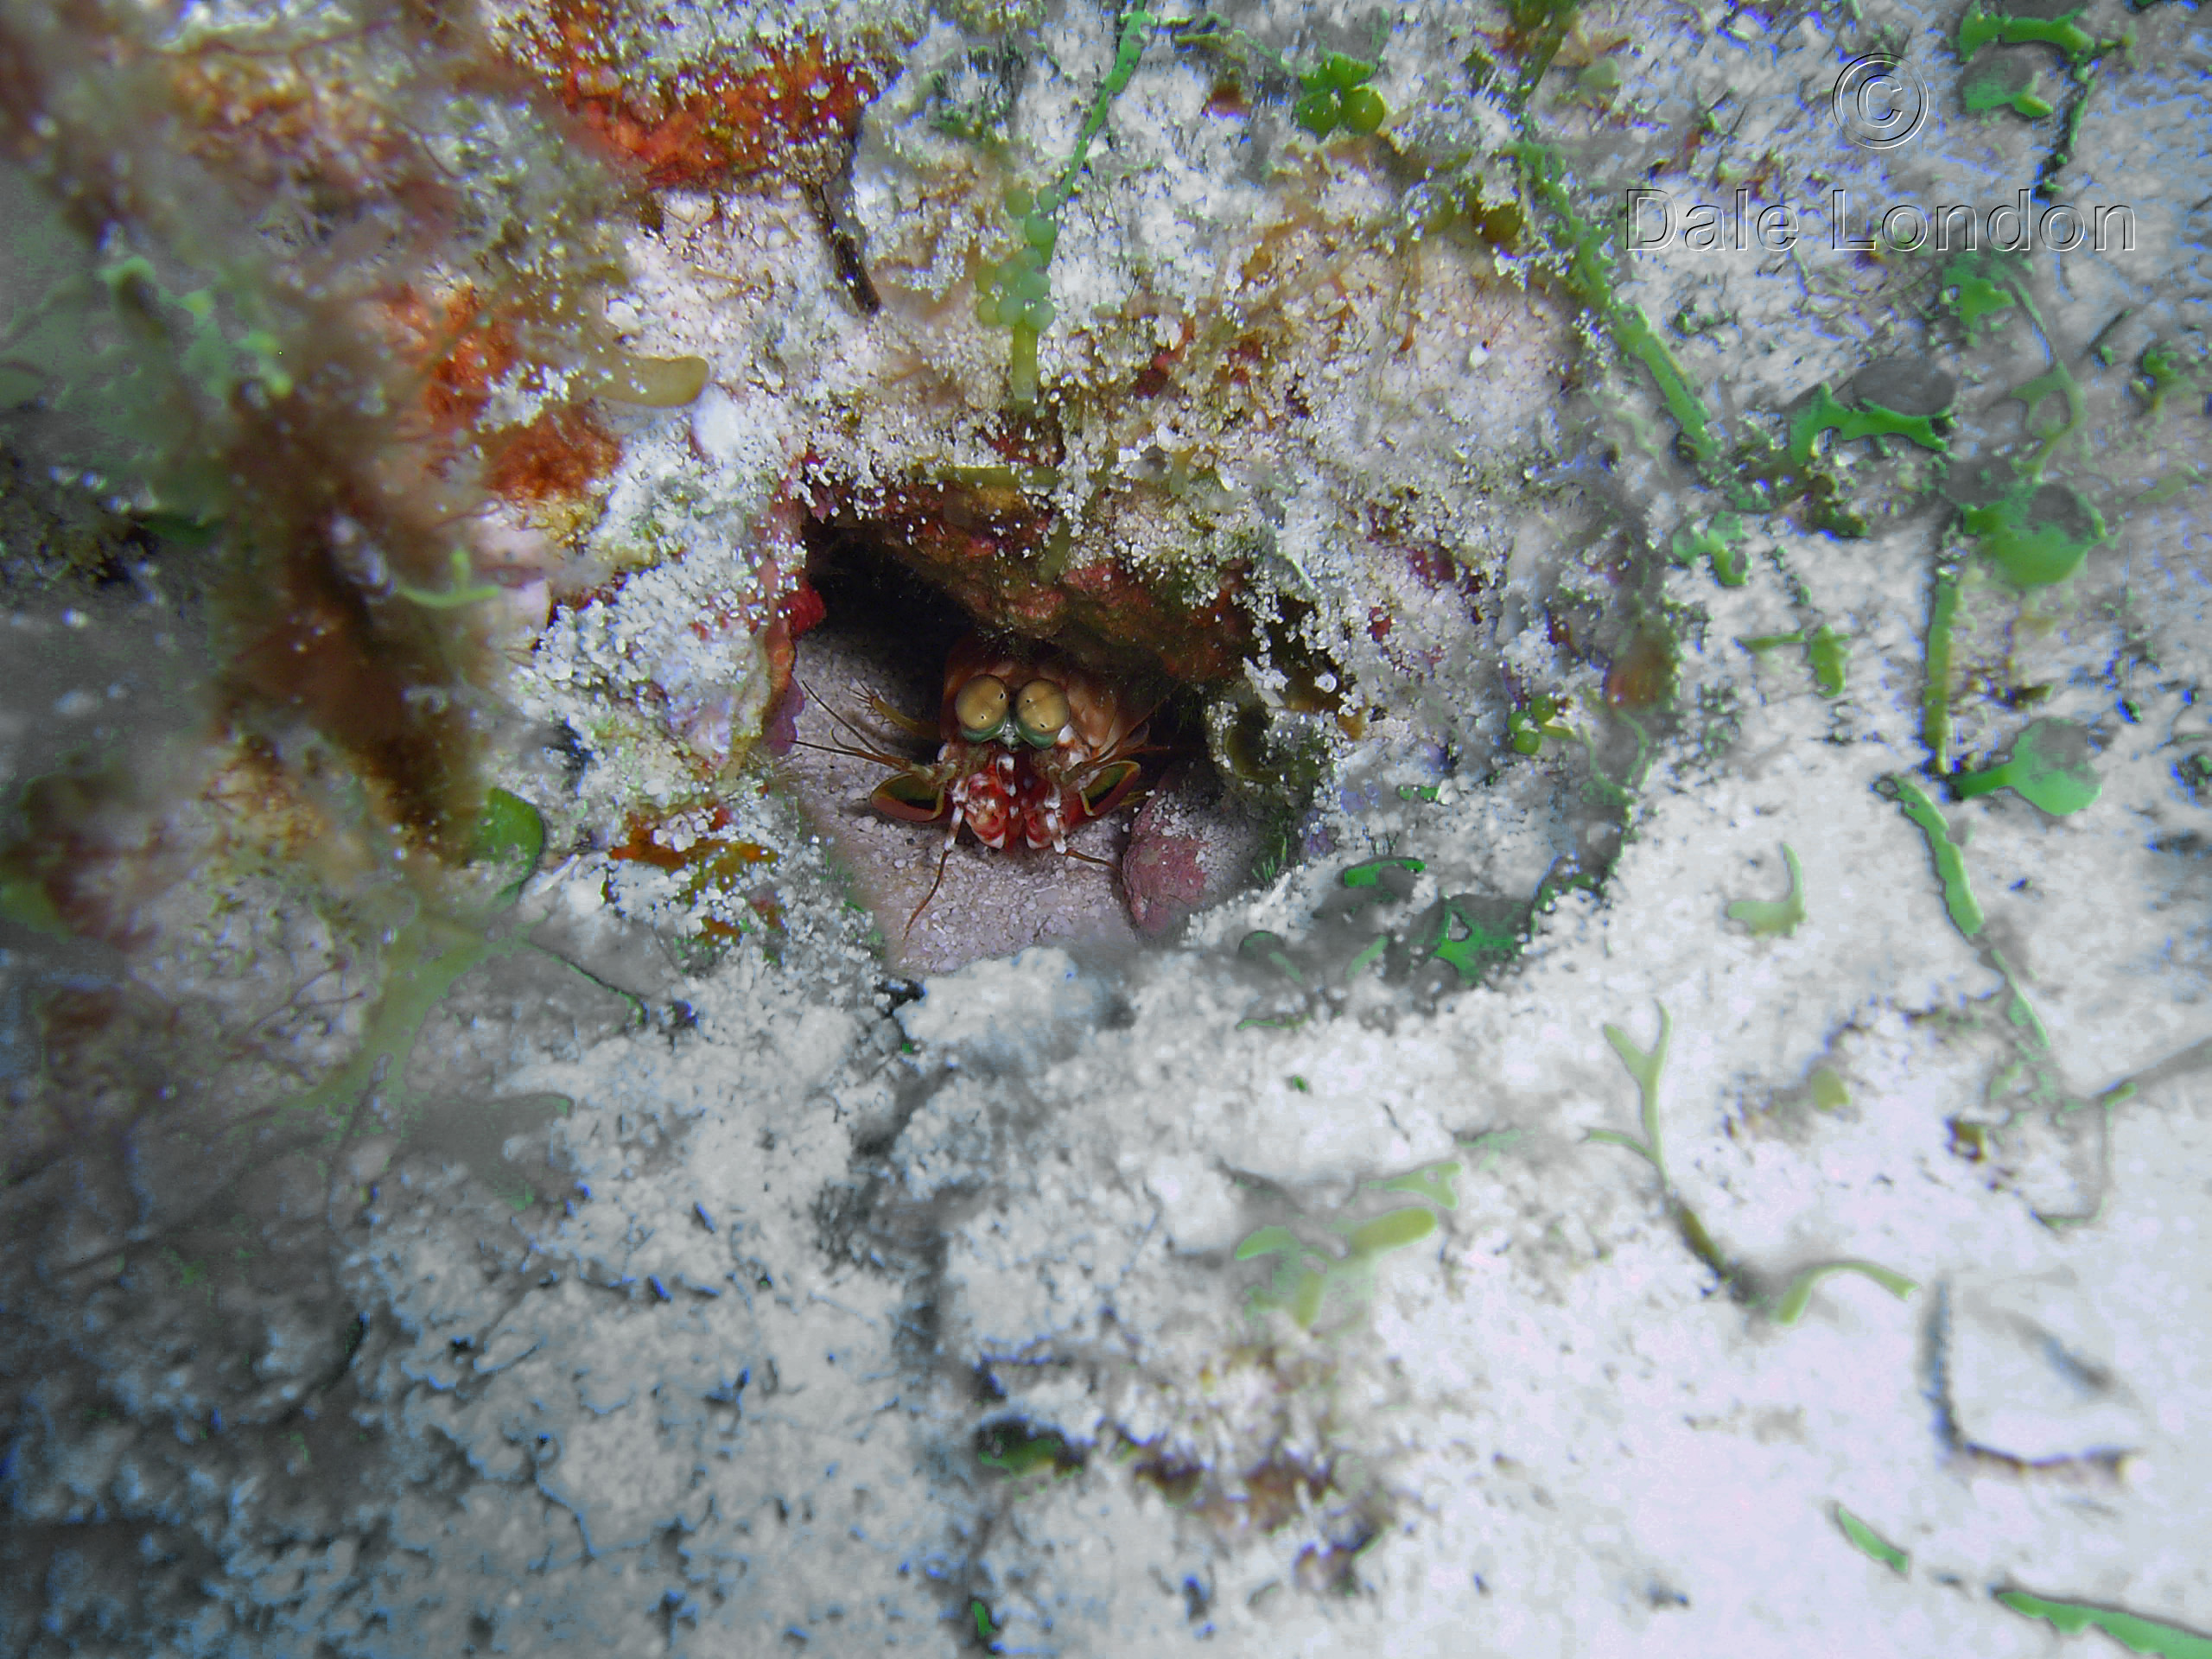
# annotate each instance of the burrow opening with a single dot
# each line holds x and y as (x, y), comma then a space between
(880, 652)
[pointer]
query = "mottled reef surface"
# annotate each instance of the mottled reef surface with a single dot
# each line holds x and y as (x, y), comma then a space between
(1624, 1072)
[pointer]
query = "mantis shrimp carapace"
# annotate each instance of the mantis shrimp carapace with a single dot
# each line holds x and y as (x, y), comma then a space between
(1032, 747)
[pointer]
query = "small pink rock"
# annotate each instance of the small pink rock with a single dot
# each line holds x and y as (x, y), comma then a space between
(1189, 848)
(779, 734)
(1163, 878)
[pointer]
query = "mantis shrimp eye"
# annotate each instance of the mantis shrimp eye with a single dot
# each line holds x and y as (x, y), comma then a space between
(981, 707)
(1041, 712)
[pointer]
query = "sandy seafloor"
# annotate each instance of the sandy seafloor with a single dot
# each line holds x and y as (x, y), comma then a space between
(839, 1319)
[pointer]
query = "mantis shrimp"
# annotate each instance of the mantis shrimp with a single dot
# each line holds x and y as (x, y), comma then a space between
(1032, 747)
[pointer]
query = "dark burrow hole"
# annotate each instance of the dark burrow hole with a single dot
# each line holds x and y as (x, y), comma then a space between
(878, 608)
(900, 623)
(871, 674)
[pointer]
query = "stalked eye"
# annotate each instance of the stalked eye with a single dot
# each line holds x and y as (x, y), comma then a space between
(1041, 712)
(980, 707)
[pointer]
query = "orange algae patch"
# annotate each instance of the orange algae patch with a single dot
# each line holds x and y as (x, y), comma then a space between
(559, 454)
(285, 120)
(709, 857)
(467, 352)
(463, 353)
(713, 860)
(792, 114)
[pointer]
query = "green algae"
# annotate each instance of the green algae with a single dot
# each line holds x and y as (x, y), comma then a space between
(427, 954)
(1019, 297)
(2035, 529)
(1717, 542)
(1601, 82)
(1306, 1275)
(1335, 93)
(1992, 84)
(1770, 918)
(1619, 792)
(2004, 83)
(1590, 274)
(1693, 1234)
(1016, 1448)
(1543, 27)
(1935, 696)
(1827, 1091)
(220, 364)
(1369, 874)
(1474, 935)
(1137, 26)
(987, 1628)
(462, 592)
(1979, 27)
(2056, 381)
(1761, 477)
(2101, 342)
(1823, 412)
(25, 901)
(1390, 1231)
(1791, 1305)
(509, 831)
(1374, 950)
(1468, 947)
(1646, 1067)
(1304, 1302)
(2173, 484)
(1431, 1181)
(2031, 1040)
(2163, 369)
(2037, 534)
(1827, 654)
(1973, 295)
(1526, 728)
(1871, 1544)
(1491, 1144)
(1301, 1274)
(1269, 948)
(2132, 1631)
(426, 959)
(1270, 1241)
(2050, 766)
(1958, 902)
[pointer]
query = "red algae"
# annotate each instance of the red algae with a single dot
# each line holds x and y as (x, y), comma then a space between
(711, 857)
(557, 455)
(1643, 674)
(462, 351)
(791, 117)
(255, 213)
